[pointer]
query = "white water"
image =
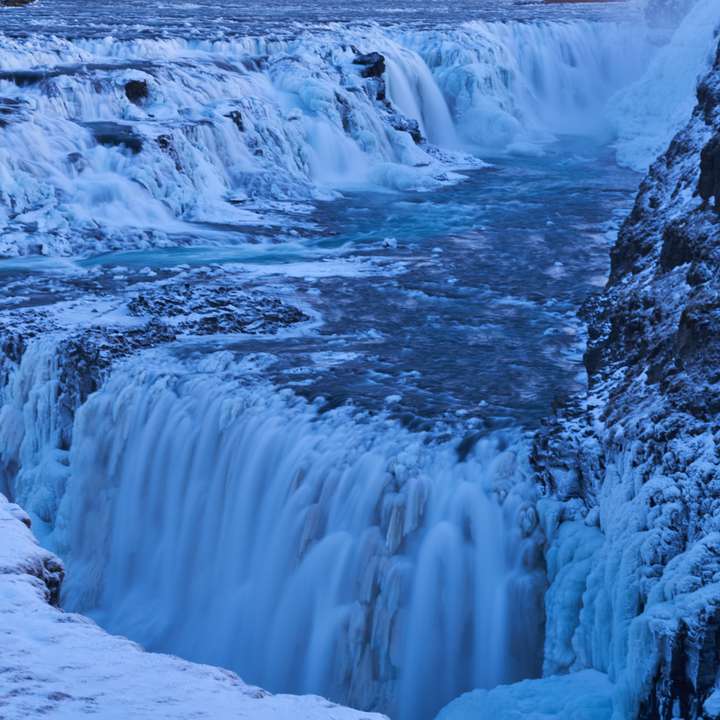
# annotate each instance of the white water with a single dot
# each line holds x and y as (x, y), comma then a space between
(335, 554)
(311, 124)
(648, 113)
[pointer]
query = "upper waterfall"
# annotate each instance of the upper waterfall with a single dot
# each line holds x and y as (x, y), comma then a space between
(141, 142)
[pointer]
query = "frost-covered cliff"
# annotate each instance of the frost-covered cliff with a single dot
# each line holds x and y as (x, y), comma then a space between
(630, 473)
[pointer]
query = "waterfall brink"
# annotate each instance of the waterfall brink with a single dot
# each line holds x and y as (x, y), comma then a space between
(135, 143)
(335, 553)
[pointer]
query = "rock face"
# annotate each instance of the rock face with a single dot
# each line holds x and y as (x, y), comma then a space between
(631, 473)
(136, 91)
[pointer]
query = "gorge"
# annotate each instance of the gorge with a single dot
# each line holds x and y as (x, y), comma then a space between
(284, 314)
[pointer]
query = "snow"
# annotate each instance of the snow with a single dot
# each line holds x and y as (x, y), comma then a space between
(584, 695)
(63, 666)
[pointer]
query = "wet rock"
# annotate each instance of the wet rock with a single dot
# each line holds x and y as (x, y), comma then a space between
(237, 118)
(166, 144)
(12, 110)
(408, 125)
(115, 134)
(373, 64)
(709, 182)
(24, 78)
(136, 91)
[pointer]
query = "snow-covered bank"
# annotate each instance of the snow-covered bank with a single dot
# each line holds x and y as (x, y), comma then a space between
(62, 665)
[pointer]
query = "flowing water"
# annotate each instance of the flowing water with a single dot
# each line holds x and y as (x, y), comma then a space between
(343, 507)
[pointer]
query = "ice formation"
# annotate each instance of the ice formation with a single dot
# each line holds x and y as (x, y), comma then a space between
(339, 528)
(116, 144)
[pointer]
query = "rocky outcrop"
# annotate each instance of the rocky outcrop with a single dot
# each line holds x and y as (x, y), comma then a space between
(630, 472)
(136, 91)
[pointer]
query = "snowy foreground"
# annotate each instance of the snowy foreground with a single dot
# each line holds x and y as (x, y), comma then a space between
(62, 665)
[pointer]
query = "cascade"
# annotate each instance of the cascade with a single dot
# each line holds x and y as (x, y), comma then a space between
(376, 566)
(649, 112)
(358, 560)
(136, 143)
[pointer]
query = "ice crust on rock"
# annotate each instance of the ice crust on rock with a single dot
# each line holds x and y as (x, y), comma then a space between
(62, 665)
(632, 507)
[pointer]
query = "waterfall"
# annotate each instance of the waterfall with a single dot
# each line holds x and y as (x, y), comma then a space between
(134, 143)
(650, 112)
(230, 523)
(201, 510)
(516, 85)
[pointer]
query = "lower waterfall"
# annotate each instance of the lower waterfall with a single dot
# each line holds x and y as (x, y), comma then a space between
(358, 560)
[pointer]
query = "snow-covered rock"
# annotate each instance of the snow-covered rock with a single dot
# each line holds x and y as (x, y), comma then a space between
(631, 471)
(62, 665)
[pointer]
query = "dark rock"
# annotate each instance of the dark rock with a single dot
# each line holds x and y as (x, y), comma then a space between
(115, 134)
(678, 245)
(136, 91)
(12, 110)
(166, 144)
(709, 182)
(237, 118)
(408, 125)
(24, 78)
(373, 64)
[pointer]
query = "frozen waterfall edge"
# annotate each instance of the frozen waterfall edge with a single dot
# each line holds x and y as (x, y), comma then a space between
(362, 518)
(133, 683)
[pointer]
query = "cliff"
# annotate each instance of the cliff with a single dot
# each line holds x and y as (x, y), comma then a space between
(630, 472)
